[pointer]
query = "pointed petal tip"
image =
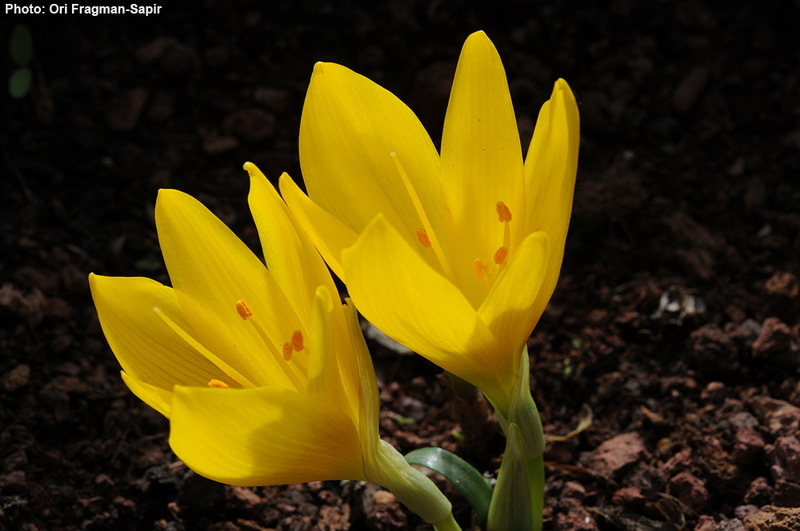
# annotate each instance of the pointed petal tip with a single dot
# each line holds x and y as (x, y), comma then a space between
(478, 35)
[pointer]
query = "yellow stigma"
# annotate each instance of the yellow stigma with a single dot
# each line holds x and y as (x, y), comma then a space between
(217, 384)
(422, 236)
(243, 309)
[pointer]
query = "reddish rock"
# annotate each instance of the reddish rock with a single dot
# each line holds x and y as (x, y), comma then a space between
(784, 458)
(613, 456)
(779, 416)
(627, 496)
(786, 494)
(689, 489)
(782, 285)
(747, 445)
(777, 343)
(771, 518)
(574, 490)
(677, 463)
(714, 350)
(573, 516)
(759, 492)
(706, 523)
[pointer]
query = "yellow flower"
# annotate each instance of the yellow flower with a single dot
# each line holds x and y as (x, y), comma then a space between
(264, 375)
(453, 255)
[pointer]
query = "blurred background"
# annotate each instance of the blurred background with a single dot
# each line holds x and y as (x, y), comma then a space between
(676, 318)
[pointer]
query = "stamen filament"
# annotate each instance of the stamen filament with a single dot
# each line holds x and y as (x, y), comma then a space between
(431, 236)
(291, 370)
(203, 351)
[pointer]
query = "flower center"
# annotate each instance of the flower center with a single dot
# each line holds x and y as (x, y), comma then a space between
(295, 344)
(482, 269)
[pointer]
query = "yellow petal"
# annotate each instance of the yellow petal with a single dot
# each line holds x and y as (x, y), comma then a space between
(363, 382)
(349, 128)
(329, 234)
(263, 436)
(156, 397)
(550, 168)
(323, 373)
(148, 350)
(509, 308)
(481, 160)
(291, 258)
(211, 269)
(402, 295)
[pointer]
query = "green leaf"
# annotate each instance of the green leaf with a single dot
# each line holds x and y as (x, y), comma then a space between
(19, 84)
(464, 477)
(21, 45)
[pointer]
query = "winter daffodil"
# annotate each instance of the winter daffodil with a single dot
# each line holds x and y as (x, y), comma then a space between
(454, 255)
(262, 372)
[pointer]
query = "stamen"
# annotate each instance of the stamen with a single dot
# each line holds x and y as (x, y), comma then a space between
(481, 269)
(504, 216)
(297, 340)
(431, 236)
(217, 384)
(422, 236)
(287, 351)
(246, 313)
(203, 351)
(500, 255)
(503, 212)
(243, 309)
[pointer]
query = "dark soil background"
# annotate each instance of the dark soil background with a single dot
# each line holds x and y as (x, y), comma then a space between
(674, 327)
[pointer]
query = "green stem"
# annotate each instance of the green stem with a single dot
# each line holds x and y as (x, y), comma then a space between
(448, 525)
(524, 416)
(536, 485)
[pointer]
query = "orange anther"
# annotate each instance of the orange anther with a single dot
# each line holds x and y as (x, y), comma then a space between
(287, 351)
(481, 269)
(500, 255)
(503, 212)
(297, 340)
(217, 384)
(243, 309)
(422, 236)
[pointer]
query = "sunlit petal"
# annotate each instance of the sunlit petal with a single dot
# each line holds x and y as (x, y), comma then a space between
(263, 436)
(211, 269)
(550, 169)
(157, 398)
(508, 307)
(412, 303)
(145, 346)
(291, 258)
(349, 129)
(481, 157)
(329, 234)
